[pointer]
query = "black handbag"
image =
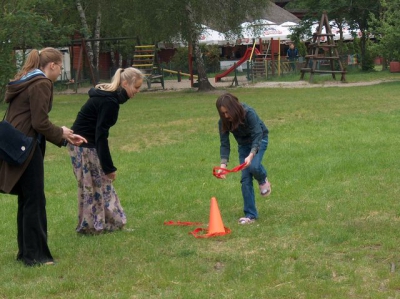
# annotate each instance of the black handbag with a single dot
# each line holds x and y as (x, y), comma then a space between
(15, 146)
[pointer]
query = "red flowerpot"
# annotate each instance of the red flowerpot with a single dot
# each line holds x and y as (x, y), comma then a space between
(395, 67)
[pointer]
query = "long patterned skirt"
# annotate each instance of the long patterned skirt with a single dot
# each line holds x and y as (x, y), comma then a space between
(99, 208)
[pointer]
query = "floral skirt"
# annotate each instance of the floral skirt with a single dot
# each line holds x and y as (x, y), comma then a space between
(99, 208)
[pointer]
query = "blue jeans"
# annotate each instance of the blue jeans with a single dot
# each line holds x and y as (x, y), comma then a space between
(256, 171)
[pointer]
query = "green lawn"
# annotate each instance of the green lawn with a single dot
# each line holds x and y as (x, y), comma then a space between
(330, 228)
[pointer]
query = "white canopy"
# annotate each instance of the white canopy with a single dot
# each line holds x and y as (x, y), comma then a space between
(265, 30)
(289, 24)
(211, 37)
(347, 32)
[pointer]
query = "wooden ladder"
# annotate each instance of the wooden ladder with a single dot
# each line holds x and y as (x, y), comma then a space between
(259, 66)
(313, 57)
(145, 59)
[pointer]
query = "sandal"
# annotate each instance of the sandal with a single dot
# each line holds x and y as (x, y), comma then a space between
(245, 220)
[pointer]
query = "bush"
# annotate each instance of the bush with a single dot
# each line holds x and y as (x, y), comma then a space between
(302, 48)
(8, 68)
(211, 58)
(180, 61)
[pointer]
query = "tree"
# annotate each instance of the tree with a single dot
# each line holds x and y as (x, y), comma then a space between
(101, 21)
(355, 13)
(385, 28)
(166, 20)
(361, 11)
(27, 24)
(92, 51)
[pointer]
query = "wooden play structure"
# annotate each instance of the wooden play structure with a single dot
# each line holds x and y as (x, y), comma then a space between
(323, 42)
(145, 59)
(179, 74)
(260, 60)
(249, 54)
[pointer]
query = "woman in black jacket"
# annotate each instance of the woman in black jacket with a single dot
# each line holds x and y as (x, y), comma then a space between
(99, 208)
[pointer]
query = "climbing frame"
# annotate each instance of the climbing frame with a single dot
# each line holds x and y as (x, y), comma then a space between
(326, 43)
(145, 59)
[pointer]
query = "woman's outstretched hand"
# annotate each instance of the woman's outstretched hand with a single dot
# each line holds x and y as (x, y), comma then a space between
(72, 138)
(76, 139)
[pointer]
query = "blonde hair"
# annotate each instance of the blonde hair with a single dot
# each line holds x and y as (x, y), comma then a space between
(38, 60)
(130, 74)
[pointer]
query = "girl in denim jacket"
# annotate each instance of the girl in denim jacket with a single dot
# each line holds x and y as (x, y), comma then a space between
(251, 135)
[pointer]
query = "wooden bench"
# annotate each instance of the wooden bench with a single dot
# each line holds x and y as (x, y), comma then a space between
(155, 78)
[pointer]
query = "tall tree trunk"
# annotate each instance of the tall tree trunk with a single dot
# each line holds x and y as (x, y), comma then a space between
(204, 83)
(96, 44)
(113, 61)
(120, 60)
(384, 64)
(86, 32)
(363, 46)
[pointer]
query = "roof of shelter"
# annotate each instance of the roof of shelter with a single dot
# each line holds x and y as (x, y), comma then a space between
(278, 15)
(273, 13)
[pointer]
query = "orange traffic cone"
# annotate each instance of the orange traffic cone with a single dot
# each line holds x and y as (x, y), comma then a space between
(215, 225)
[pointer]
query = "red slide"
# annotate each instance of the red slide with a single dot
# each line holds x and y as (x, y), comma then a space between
(245, 57)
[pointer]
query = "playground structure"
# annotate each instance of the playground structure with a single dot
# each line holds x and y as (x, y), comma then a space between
(314, 57)
(247, 56)
(145, 59)
(259, 60)
(179, 74)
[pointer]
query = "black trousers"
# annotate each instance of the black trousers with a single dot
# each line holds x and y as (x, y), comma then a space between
(31, 217)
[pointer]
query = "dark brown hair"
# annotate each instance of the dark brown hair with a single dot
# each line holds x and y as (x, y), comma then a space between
(234, 109)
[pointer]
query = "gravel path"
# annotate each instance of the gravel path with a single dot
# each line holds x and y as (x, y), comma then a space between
(172, 85)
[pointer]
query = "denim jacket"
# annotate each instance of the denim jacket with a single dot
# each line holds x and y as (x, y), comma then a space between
(251, 132)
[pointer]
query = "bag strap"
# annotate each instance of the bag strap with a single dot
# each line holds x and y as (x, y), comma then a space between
(5, 113)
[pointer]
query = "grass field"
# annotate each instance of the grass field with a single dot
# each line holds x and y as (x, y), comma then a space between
(330, 228)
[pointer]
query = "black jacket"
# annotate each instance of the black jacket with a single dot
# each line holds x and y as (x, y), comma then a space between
(95, 119)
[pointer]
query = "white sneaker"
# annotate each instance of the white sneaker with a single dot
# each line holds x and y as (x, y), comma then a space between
(245, 220)
(265, 189)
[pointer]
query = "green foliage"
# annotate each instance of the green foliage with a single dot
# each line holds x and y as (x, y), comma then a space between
(181, 19)
(354, 47)
(211, 58)
(8, 67)
(356, 13)
(165, 20)
(180, 60)
(367, 62)
(26, 25)
(385, 28)
(302, 48)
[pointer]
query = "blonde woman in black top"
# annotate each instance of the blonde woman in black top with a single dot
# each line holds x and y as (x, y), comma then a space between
(99, 208)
